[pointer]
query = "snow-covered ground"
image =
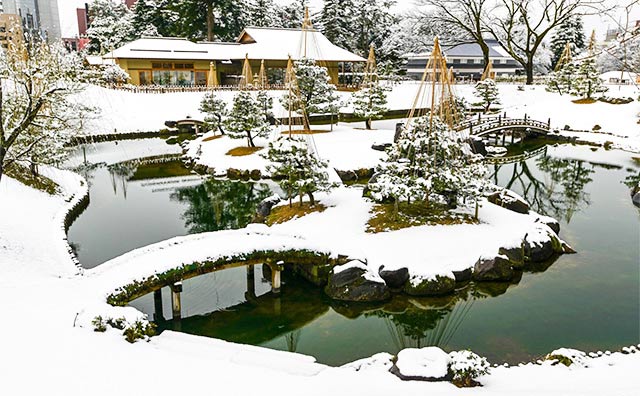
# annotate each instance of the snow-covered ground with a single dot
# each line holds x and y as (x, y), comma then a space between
(46, 351)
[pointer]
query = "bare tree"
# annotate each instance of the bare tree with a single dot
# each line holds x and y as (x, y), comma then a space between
(521, 26)
(465, 17)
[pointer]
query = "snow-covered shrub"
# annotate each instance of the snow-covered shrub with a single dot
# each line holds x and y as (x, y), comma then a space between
(246, 119)
(568, 357)
(370, 102)
(299, 171)
(139, 330)
(114, 74)
(215, 110)
(487, 91)
(466, 366)
(99, 324)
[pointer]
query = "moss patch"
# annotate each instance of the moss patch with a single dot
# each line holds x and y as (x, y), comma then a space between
(413, 214)
(584, 101)
(24, 176)
(242, 151)
(284, 213)
(210, 138)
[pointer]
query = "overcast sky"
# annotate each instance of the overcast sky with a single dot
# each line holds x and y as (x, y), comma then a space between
(68, 21)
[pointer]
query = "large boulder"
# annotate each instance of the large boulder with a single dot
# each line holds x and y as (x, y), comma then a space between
(493, 268)
(423, 364)
(347, 176)
(550, 222)
(509, 200)
(418, 285)
(464, 275)
(353, 282)
(264, 207)
(395, 279)
(636, 199)
(515, 254)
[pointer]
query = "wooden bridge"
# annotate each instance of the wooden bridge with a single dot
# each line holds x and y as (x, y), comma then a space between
(494, 125)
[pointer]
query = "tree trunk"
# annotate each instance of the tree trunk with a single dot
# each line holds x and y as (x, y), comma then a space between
(210, 21)
(2, 154)
(312, 200)
(306, 124)
(250, 140)
(529, 69)
(220, 125)
(367, 124)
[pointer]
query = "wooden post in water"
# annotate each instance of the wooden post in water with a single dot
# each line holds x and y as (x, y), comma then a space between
(251, 285)
(158, 316)
(275, 280)
(176, 305)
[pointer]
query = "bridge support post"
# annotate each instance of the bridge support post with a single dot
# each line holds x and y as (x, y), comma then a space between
(504, 137)
(251, 285)
(158, 316)
(275, 281)
(176, 304)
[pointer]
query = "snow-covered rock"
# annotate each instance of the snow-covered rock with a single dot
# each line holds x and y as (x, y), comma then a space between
(426, 364)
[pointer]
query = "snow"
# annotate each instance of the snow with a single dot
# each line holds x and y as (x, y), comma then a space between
(429, 362)
(380, 362)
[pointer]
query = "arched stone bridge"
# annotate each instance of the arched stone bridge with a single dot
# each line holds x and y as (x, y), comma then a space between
(494, 125)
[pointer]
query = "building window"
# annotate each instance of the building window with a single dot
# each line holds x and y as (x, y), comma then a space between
(145, 77)
(463, 61)
(201, 78)
(477, 61)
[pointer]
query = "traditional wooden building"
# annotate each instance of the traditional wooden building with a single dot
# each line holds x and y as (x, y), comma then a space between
(178, 61)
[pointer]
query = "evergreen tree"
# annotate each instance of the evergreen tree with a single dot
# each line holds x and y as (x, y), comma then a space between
(111, 26)
(370, 102)
(215, 109)
(314, 94)
(264, 13)
(570, 31)
(562, 81)
(300, 171)
(292, 15)
(336, 22)
(487, 91)
(208, 19)
(246, 119)
(150, 18)
(372, 24)
(587, 79)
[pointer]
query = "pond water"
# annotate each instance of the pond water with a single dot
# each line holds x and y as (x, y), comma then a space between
(588, 301)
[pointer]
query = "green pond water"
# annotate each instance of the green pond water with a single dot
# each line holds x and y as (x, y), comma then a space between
(588, 301)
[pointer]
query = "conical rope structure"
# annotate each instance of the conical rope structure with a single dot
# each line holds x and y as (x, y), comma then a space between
(565, 58)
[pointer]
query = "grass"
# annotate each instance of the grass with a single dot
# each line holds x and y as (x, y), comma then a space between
(413, 214)
(242, 151)
(584, 101)
(24, 176)
(284, 213)
(210, 138)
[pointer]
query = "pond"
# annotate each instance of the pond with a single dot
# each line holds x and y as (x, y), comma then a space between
(588, 301)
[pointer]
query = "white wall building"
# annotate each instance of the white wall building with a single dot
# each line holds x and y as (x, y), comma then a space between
(36, 15)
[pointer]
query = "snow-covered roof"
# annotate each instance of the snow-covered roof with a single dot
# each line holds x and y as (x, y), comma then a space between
(474, 50)
(257, 43)
(618, 74)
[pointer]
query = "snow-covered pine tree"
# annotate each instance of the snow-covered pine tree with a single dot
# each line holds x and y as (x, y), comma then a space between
(300, 171)
(266, 104)
(315, 94)
(429, 162)
(215, 110)
(246, 119)
(370, 102)
(292, 14)
(487, 91)
(336, 22)
(562, 81)
(150, 18)
(587, 79)
(111, 26)
(39, 117)
(264, 13)
(570, 31)
(114, 74)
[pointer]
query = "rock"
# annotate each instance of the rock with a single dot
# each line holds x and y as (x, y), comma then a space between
(541, 243)
(478, 146)
(234, 174)
(374, 177)
(463, 276)
(364, 173)
(515, 255)
(255, 174)
(497, 268)
(509, 200)
(424, 364)
(550, 222)
(264, 207)
(423, 286)
(395, 279)
(399, 128)
(353, 282)
(567, 249)
(380, 146)
(636, 199)
(347, 176)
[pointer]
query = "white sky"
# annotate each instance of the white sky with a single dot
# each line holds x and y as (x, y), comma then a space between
(69, 25)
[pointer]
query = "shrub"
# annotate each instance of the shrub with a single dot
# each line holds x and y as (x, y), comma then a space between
(465, 367)
(139, 330)
(99, 324)
(117, 323)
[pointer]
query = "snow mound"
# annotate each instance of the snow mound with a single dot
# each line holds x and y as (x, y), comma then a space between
(429, 362)
(379, 362)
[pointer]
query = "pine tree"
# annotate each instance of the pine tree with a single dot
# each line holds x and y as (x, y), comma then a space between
(300, 171)
(264, 13)
(488, 92)
(370, 102)
(336, 22)
(215, 110)
(570, 31)
(246, 119)
(562, 81)
(314, 93)
(150, 18)
(189, 18)
(429, 162)
(372, 23)
(292, 14)
(587, 79)
(111, 26)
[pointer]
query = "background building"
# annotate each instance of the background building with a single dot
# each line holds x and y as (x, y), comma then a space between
(10, 30)
(39, 16)
(467, 61)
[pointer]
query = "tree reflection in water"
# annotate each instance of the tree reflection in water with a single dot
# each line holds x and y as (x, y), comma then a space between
(559, 191)
(220, 204)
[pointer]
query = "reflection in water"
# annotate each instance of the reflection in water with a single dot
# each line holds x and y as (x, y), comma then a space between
(220, 204)
(556, 188)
